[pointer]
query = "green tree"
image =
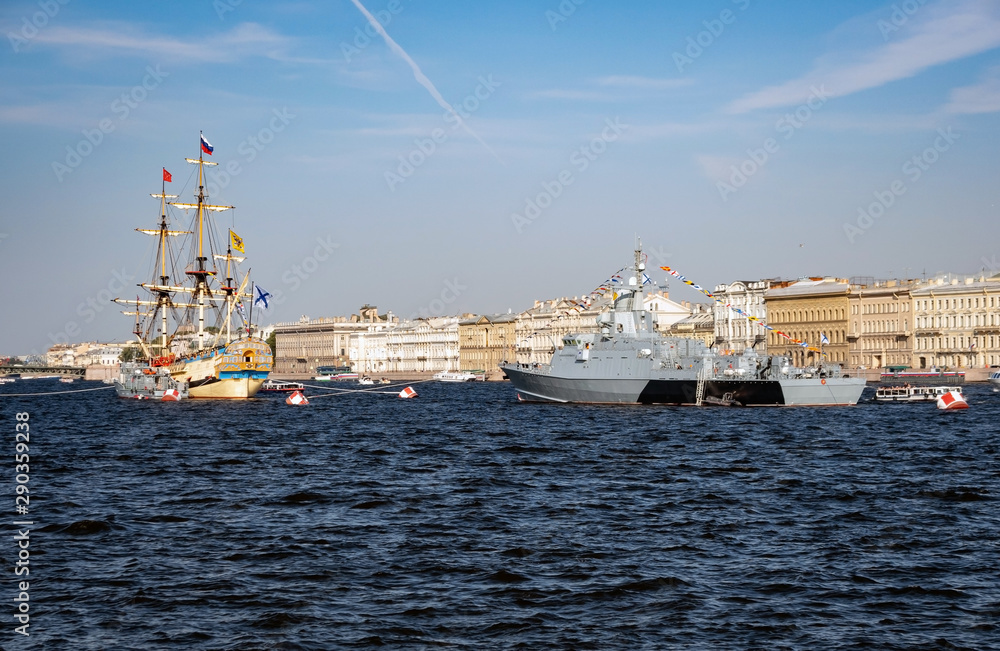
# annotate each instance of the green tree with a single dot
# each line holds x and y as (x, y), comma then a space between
(129, 354)
(271, 341)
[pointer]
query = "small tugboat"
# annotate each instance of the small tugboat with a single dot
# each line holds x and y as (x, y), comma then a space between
(628, 362)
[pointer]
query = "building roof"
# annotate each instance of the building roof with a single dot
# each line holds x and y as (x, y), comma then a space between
(978, 286)
(809, 288)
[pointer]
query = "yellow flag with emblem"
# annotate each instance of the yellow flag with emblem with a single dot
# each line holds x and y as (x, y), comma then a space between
(236, 241)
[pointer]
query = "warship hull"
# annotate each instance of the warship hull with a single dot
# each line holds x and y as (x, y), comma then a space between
(545, 387)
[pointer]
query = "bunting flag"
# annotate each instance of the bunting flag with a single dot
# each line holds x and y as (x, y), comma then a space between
(166, 176)
(797, 342)
(236, 241)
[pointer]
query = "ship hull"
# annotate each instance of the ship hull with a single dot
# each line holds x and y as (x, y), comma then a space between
(235, 371)
(226, 388)
(545, 387)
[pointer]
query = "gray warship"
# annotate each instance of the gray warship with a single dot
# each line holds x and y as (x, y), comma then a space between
(629, 362)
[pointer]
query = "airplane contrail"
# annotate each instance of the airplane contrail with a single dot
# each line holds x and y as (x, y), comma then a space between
(420, 76)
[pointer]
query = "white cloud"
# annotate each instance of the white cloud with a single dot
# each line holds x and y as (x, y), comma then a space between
(984, 97)
(570, 94)
(643, 83)
(126, 39)
(637, 86)
(940, 33)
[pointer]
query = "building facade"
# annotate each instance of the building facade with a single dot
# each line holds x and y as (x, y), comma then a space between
(700, 324)
(807, 310)
(956, 323)
(539, 330)
(880, 332)
(733, 331)
(304, 346)
(420, 346)
(485, 342)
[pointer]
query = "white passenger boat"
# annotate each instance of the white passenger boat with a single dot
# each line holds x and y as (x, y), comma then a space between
(458, 376)
(909, 393)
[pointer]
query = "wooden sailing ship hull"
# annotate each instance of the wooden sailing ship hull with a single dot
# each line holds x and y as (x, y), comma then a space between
(234, 371)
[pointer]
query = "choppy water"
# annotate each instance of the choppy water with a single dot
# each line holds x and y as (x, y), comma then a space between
(463, 519)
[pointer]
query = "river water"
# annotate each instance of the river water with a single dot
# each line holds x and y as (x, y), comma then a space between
(463, 519)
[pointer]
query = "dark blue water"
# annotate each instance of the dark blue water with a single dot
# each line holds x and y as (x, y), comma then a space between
(464, 519)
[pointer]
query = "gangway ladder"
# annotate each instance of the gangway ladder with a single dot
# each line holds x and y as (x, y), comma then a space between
(703, 375)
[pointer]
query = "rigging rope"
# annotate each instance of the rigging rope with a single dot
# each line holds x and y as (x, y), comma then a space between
(50, 393)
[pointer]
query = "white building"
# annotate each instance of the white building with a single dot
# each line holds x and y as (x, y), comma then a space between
(733, 331)
(422, 346)
(665, 311)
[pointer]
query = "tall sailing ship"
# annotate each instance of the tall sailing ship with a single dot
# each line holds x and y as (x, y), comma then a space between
(181, 355)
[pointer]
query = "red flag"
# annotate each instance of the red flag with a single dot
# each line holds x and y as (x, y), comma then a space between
(166, 175)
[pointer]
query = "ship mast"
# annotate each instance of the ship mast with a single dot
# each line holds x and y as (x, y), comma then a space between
(163, 290)
(201, 272)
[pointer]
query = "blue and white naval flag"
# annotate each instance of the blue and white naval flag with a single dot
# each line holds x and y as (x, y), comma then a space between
(262, 296)
(823, 339)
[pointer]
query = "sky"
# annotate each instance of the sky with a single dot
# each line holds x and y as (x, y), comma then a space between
(476, 157)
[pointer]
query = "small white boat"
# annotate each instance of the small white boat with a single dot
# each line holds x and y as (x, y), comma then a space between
(6, 380)
(907, 393)
(995, 379)
(458, 376)
(275, 386)
(366, 380)
(67, 380)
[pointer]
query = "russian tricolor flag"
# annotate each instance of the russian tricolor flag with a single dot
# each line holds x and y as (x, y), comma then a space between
(206, 146)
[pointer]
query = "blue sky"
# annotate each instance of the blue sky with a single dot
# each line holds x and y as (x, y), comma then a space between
(740, 139)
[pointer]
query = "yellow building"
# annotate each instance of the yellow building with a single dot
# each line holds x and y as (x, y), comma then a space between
(880, 331)
(807, 310)
(486, 341)
(957, 323)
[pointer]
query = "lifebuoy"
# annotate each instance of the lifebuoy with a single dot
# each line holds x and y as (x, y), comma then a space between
(822, 381)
